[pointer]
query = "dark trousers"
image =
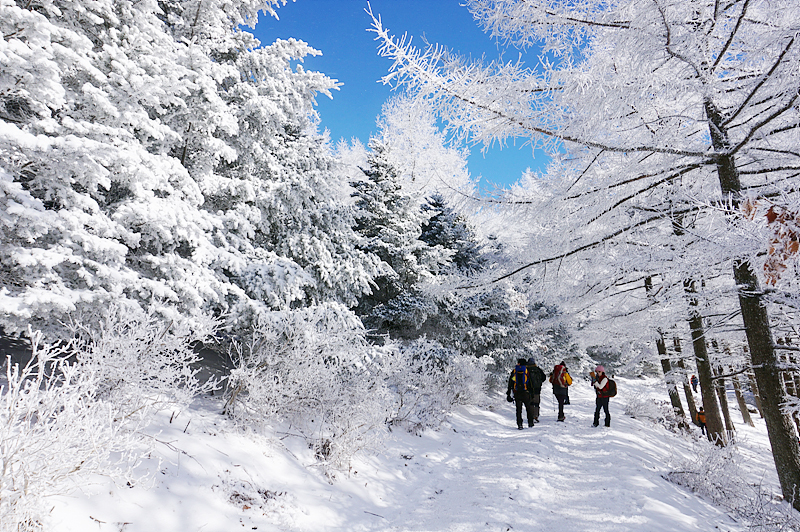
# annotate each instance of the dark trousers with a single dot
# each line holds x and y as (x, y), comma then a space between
(601, 402)
(561, 398)
(535, 400)
(523, 398)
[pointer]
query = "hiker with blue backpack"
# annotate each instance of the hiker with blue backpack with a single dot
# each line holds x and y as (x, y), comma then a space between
(520, 382)
(603, 388)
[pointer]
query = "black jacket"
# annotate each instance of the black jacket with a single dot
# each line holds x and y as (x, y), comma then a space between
(537, 378)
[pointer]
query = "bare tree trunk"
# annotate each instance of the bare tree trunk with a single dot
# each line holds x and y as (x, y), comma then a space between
(795, 376)
(687, 388)
(722, 392)
(672, 388)
(788, 378)
(714, 428)
(782, 438)
(737, 387)
(751, 378)
(666, 365)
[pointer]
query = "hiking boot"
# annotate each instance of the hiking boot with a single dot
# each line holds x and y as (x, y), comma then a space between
(530, 424)
(595, 424)
(520, 427)
(561, 419)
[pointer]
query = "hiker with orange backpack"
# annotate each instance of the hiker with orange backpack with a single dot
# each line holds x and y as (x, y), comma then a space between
(561, 380)
(602, 387)
(701, 420)
(520, 382)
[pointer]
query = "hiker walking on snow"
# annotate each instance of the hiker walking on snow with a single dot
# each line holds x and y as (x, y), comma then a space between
(561, 380)
(701, 420)
(601, 387)
(694, 382)
(520, 382)
(537, 378)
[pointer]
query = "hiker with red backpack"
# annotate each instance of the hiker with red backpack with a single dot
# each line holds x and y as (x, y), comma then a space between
(520, 382)
(602, 387)
(561, 380)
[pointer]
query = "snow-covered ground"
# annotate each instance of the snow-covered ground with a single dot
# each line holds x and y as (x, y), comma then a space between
(478, 473)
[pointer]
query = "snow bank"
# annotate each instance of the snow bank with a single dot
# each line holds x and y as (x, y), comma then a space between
(477, 473)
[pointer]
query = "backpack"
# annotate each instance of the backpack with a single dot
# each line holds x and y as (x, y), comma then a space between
(612, 388)
(520, 378)
(561, 377)
(537, 378)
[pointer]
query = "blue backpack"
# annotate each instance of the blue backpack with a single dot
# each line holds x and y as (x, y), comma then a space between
(520, 378)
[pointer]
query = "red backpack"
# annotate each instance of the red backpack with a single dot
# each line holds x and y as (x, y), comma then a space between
(560, 376)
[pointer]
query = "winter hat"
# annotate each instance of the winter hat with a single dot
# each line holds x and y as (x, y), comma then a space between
(600, 369)
(532, 361)
(521, 361)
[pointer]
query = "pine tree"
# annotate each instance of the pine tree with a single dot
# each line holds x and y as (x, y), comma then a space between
(154, 154)
(390, 225)
(450, 230)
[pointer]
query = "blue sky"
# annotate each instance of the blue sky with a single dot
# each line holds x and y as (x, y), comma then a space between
(339, 29)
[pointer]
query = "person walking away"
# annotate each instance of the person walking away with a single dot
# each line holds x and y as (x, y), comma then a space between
(601, 386)
(561, 380)
(520, 382)
(694, 382)
(537, 377)
(701, 420)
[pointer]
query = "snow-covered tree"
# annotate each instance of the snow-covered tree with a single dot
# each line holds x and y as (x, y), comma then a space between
(451, 231)
(688, 101)
(153, 153)
(426, 162)
(93, 206)
(389, 223)
(281, 203)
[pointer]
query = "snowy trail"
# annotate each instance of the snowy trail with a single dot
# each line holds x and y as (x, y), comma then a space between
(486, 475)
(478, 473)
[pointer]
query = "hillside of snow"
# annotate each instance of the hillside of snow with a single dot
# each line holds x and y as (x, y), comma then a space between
(478, 473)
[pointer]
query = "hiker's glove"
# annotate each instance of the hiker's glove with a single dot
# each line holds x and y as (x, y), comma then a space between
(509, 398)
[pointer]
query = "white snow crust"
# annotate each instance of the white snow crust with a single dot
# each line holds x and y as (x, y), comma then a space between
(478, 473)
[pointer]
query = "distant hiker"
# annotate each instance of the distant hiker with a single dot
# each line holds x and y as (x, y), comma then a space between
(561, 380)
(602, 386)
(520, 382)
(537, 378)
(701, 420)
(694, 382)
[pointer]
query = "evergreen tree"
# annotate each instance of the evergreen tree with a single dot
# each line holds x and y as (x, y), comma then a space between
(153, 153)
(450, 230)
(390, 225)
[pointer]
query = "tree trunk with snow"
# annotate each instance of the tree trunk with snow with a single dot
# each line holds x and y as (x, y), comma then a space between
(722, 393)
(756, 395)
(714, 428)
(666, 365)
(669, 377)
(781, 433)
(789, 378)
(687, 388)
(737, 388)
